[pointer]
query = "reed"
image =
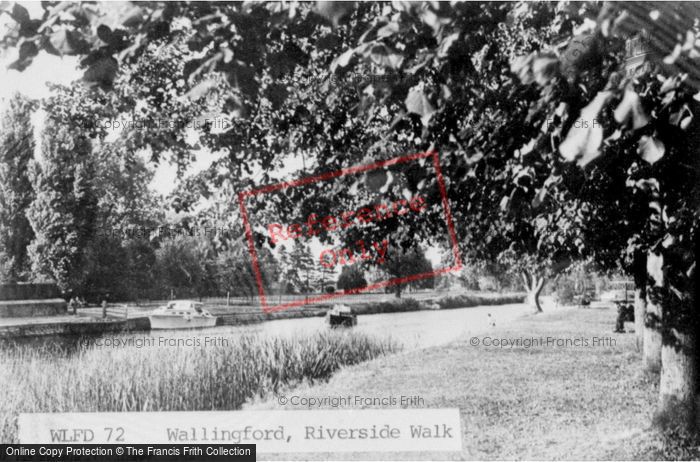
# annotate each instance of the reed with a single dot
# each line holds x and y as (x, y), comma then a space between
(98, 379)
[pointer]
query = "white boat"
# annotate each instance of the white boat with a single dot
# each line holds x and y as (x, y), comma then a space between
(181, 314)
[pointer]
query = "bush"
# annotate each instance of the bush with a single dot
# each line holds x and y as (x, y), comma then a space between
(466, 301)
(392, 306)
(565, 292)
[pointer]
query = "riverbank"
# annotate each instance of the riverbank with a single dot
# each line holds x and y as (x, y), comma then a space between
(580, 395)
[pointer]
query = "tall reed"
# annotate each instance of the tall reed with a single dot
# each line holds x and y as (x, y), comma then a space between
(99, 379)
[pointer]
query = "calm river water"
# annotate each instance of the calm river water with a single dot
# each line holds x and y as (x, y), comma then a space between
(416, 329)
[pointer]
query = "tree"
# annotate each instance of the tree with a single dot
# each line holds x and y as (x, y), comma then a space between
(351, 277)
(235, 273)
(16, 194)
(402, 263)
(181, 262)
(64, 209)
(302, 269)
(662, 172)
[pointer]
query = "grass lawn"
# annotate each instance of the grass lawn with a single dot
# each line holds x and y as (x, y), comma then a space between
(542, 402)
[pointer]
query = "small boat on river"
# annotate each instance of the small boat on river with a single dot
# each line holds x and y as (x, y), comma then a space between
(181, 314)
(341, 316)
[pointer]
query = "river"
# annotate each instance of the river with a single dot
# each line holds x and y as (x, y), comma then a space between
(413, 329)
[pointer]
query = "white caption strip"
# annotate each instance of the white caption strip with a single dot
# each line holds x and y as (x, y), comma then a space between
(367, 430)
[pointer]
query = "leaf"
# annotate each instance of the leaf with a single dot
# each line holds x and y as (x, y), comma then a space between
(27, 50)
(475, 158)
(20, 64)
(431, 18)
(582, 143)
(581, 52)
(20, 14)
(133, 17)
(68, 42)
(446, 44)
(236, 108)
(630, 109)
(672, 83)
(545, 68)
(388, 30)
(417, 103)
(104, 33)
(539, 197)
(527, 148)
(334, 11)
(685, 123)
(655, 268)
(102, 72)
(59, 40)
(201, 89)
(651, 149)
(648, 186)
(383, 56)
(343, 60)
(522, 67)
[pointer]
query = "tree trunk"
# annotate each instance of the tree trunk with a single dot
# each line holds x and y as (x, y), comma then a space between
(652, 320)
(533, 286)
(397, 290)
(640, 298)
(640, 311)
(678, 388)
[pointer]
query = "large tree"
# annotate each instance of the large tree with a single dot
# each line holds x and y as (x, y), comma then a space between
(16, 193)
(351, 277)
(646, 117)
(65, 207)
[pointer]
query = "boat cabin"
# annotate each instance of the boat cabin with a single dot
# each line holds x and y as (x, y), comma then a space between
(184, 307)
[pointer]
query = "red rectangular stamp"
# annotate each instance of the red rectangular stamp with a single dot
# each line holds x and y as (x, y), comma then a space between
(379, 215)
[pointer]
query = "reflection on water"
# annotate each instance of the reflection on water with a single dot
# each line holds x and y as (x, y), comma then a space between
(415, 329)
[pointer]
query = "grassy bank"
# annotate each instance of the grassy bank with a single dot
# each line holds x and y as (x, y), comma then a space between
(437, 303)
(168, 378)
(535, 402)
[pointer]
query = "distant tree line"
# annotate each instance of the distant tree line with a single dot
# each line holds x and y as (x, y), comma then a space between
(79, 212)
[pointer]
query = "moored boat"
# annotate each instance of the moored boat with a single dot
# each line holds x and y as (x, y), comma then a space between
(341, 316)
(181, 314)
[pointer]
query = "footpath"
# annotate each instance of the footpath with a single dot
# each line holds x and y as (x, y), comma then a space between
(554, 386)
